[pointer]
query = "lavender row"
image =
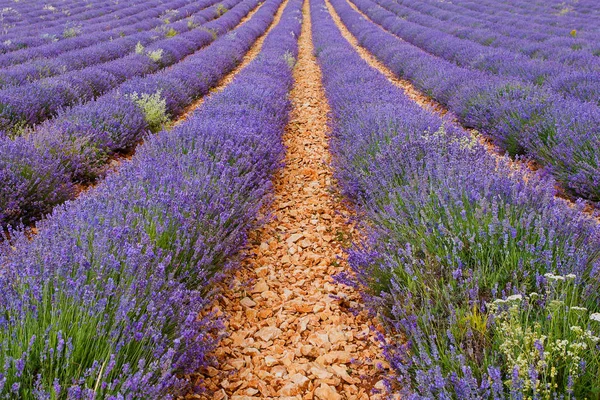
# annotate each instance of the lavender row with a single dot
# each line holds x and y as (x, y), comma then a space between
(554, 16)
(148, 19)
(156, 26)
(19, 15)
(562, 135)
(511, 26)
(574, 46)
(127, 26)
(106, 16)
(557, 20)
(89, 20)
(24, 106)
(104, 302)
(580, 84)
(457, 242)
(41, 169)
(569, 50)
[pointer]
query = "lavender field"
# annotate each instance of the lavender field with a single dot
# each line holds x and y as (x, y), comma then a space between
(299, 199)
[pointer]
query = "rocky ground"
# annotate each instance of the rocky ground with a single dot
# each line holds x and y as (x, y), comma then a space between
(292, 331)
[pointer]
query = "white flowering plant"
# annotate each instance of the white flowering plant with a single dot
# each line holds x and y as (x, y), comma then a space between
(548, 342)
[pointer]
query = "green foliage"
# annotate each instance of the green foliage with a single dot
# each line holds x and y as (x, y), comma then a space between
(213, 32)
(170, 33)
(71, 32)
(289, 59)
(60, 324)
(221, 9)
(489, 41)
(191, 24)
(167, 15)
(155, 55)
(154, 108)
(554, 333)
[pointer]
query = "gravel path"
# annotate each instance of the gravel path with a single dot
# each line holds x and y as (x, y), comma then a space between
(292, 333)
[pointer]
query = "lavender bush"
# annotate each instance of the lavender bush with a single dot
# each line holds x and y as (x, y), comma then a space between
(452, 230)
(144, 32)
(84, 137)
(104, 302)
(105, 15)
(54, 47)
(515, 114)
(32, 103)
(33, 181)
(504, 31)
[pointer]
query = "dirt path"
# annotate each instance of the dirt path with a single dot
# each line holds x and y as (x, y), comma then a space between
(289, 338)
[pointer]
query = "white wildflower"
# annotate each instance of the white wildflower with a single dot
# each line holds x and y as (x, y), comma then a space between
(556, 303)
(576, 308)
(552, 277)
(577, 330)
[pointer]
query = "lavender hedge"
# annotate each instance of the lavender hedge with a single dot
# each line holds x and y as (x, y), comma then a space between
(30, 104)
(560, 134)
(84, 137)
(486, 283)
(34, 32)
(155, 26)
(127, 26)
(555, 20)
(546, 73)
(83, 19)
(534, 41)
(104, 302)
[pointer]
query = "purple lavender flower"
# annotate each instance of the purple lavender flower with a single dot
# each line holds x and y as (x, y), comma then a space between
(119, 261)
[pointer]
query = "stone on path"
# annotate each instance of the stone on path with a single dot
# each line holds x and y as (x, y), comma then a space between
(288, 336)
